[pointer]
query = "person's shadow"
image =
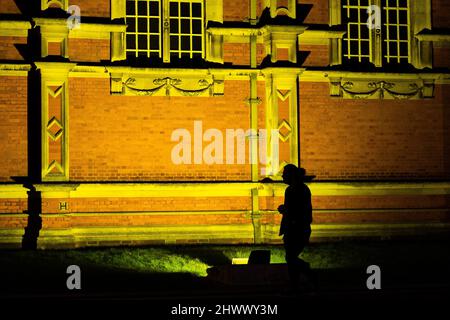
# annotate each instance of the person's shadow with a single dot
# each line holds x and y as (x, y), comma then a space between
(34, 225)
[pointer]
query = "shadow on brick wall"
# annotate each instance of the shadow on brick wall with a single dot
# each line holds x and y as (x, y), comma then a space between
(34, 223)
(446, 123)
(28, 8)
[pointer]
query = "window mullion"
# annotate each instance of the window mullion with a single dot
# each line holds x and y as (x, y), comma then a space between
(191, 35)
(179, 30)
(377, 46)
(166, 31)
(359, 32)
(136, 30)
(348, 30)
(408, 21)
(148, 30)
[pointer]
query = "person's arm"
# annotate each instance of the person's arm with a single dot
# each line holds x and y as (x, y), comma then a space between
(306, 207)
(282, 208)
(290, 203)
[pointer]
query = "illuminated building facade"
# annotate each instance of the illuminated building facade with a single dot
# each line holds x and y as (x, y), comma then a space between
(93, 111)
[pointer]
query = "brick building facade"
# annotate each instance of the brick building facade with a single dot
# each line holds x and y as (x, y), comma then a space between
(89, 110)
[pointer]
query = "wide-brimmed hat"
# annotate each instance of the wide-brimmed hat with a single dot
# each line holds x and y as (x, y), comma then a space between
(294, 170)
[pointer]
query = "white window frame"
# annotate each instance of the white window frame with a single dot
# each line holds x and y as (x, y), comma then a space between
(164, 50)
(420, 53)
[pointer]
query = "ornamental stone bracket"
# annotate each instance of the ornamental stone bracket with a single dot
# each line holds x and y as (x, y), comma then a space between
(55, 34)
(14, 28)
(62, 4)
(167, 85)
(278, 7)
(388, 89)
(274, 37)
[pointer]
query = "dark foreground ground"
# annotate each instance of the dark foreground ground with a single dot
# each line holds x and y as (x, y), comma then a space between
(161, 282)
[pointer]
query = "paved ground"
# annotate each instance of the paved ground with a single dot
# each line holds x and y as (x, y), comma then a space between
(340, 292)
(423, 285)
(231, 304)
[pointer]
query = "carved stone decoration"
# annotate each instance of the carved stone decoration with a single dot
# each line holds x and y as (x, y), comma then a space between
(398, 90)
(169, 87)
(214, 48)
(281, 116)
(54, 120)
(428, 89)
(116, 84)
(53, 31)
(62, 4)
(166, 86)
(219, 87)
(284, 130)
(256, 101)
(277, 7)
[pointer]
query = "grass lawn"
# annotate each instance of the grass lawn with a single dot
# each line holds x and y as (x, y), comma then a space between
(128, 269)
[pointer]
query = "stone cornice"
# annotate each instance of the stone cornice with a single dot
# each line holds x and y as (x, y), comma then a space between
(326, 75)
(54, 67)
(79, 70)
(9, 69)
(328, 34)
(86, 30)
(256, 31)
(319, 36)
(433, 37)
(222, 189)
(14, 28)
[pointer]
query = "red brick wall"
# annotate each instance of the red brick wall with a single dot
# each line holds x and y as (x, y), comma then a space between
(365, 202)
(318, 55)
(417, 209)
(114, 204)
(89, 50)
(54, 48)
(239, 53)
(129, 138)
(236, 53)
(105, 220)
(9, 7)
(440, 10)
(9, 222)
(13, 127)
(8, 49)
(446, 119)
(380, 202)
(319, 11)
(260, 7)
(90, 8)
(13, 205)
(411, 216)
(367, 139)
(441, 54)
(235, 10)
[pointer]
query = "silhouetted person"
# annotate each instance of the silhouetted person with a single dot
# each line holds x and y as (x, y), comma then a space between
(295, 225)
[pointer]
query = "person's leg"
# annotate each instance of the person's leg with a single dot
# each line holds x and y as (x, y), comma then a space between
(302, 243)
(293, 248)
(305, 267)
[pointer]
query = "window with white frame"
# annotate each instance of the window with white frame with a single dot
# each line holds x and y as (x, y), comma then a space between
(165, 29)
(387, 44)
(395, 29)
